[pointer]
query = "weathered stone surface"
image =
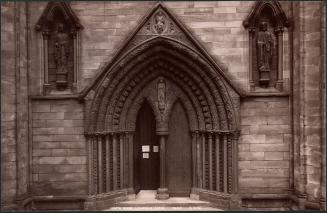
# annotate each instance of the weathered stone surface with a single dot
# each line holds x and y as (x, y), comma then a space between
(58, 149)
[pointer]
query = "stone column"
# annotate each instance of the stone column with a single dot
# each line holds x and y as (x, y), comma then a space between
(251, 71)
(114, 153)
(225, 165)
(129, 138)
(162, 192)
(279, 83)
(217, 163)
(210, 161)
(100, 164)
(199, 159)
(108, 172)
(46, 84)
(193, 159)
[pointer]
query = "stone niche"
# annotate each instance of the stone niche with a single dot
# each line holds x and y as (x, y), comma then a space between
(266, 24)
(60, 47)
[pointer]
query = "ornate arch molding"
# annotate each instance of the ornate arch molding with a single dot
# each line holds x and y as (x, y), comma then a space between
(162, 63)
(203, 79)
(266, 23)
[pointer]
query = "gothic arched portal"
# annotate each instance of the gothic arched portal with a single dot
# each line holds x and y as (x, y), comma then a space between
(182, 86)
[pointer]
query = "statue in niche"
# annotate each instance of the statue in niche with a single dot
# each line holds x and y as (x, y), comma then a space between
(161, 94)
(61, 55)
(265, 44)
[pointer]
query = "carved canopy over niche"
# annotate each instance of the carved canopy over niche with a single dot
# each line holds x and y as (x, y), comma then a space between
(59, 26)
(266, 24)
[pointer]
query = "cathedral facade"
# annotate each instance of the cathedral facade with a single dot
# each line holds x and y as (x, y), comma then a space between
(221, 101)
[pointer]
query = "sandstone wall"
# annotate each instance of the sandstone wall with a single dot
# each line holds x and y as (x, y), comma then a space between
(308, 96)
(59, 149)
(14, 103)
(8, 109)
(57, 145)
(264, 146)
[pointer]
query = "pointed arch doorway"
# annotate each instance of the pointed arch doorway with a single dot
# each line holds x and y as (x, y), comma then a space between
(146, 151)
(163, 67)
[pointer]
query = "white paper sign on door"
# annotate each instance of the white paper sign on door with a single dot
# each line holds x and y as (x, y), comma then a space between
(145, 155)
(155, 148)
(146, 148)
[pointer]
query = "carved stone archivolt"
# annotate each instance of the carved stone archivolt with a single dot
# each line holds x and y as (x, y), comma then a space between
(161, 71)
(60, 29)
(265, 24)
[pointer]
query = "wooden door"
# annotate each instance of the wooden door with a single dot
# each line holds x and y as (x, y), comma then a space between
(179, 173)
(146, 151)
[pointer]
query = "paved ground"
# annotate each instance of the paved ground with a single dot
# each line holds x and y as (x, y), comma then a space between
(145, 201)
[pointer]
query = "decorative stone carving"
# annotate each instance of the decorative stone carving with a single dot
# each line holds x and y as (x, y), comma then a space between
(265, 24)
(161, 95)
(60, 29)
(160, 22)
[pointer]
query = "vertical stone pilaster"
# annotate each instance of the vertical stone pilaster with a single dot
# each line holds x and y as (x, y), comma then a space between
(217, 162)
(279, 83)
(114, 147)
(210, 161)
(130, 136)
(21, 73)
(162, 192)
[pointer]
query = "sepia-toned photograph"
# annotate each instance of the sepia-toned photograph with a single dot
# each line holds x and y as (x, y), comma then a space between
(163, 105)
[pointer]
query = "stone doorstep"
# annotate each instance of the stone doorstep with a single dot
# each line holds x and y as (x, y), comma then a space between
(145, 201)
(162, 209)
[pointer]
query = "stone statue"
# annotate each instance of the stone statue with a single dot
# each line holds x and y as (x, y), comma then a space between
(61, 54)
(265, 44)
(161, 94)
(160, 22)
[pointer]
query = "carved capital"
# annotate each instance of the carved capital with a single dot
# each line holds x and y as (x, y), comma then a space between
(279, 30)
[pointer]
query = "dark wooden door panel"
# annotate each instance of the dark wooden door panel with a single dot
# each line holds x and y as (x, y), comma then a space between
(146, 169)
(179, 174)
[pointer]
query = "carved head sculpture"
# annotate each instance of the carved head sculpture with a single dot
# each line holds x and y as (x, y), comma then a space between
(263, 26)
(60, 27)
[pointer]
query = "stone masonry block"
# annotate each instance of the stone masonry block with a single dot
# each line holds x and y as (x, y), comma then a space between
(248, 120)
(63, 177)
(41, 107)
(263, 182)
(73, 115)
(274, 155)
(69, 138)
(41, 152)
(284, 120)
(253, 111)
(276, 172)
(253, 138)
(269, 147)
(45, 168)
(59, 160)
(275, 138)
(278, 111)
(251, 155)
(243, 147)
(269, 129)
(48, 115)
(263, 164)
(68, 152)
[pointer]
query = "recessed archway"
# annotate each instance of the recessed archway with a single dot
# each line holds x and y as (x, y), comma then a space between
(162, 71)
